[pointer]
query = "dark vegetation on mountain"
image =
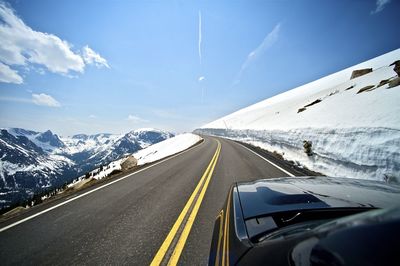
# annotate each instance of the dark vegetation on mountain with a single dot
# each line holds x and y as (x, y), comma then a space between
(39, 163)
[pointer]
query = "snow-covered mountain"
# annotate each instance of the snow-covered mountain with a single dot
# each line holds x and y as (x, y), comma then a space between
(345, 124)
(94, 150)
(33, 161)
(150, 154)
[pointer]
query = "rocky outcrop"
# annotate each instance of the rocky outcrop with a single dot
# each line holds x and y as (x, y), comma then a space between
(396, 68)
(366, 88)
(128, 163)
(383, 82)
(394, 83)
(51, 139)
(360, 72)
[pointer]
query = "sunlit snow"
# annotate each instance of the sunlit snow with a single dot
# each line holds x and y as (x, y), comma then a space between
(353, 134)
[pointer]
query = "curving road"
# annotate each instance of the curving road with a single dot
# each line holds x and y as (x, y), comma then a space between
(130, 220)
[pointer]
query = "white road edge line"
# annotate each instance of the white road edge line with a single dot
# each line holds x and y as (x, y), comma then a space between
(265, 159)
(93, 190)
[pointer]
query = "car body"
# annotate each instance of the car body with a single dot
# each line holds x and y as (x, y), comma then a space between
(307, 221)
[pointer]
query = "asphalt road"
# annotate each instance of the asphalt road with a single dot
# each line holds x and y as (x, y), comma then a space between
(128, 221)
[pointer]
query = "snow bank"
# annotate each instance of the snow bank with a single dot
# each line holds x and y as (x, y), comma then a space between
(367, 153)
(166, 148)
(107, 170)
(354, 133)
(150, 154)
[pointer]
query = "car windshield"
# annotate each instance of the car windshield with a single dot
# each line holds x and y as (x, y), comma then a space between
(291, 223)
(291, 230)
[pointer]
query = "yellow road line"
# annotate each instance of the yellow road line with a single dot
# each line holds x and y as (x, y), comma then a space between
(220, 235)
(226, 232)
(167, 242)
(185, 233)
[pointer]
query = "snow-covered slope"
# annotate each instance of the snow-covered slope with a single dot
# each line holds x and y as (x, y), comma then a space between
(166, 148)
(354, 129)
(150, 154)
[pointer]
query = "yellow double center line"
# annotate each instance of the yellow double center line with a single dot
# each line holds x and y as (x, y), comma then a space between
(225, 250)
(202, 187)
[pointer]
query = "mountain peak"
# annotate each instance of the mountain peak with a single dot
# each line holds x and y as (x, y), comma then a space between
(50, 138)
(21, 132)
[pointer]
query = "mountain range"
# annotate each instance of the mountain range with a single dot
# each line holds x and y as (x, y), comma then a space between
(32, 162)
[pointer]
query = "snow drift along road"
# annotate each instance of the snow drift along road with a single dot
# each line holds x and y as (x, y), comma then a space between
(352, 124)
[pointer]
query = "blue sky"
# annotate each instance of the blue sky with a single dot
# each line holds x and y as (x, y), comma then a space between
(114, 66)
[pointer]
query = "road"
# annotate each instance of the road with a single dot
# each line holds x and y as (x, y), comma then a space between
(128, 222)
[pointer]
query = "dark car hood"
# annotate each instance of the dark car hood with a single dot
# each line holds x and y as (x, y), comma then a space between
(270, 196)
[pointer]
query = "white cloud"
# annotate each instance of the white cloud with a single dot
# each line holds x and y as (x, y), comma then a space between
(38, 99)
(201, 78)
(200, 37)
(45, 100)
(92, 116)
(380, 5)
(268, 41)
(9, 75)
(15, 99)
(21, 45)
(136, 119)
(91, 57)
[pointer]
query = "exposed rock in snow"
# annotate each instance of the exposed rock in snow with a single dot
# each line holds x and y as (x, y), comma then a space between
(360, 72)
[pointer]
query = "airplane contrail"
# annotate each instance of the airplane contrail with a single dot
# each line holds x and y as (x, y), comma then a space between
(268, 41)
(200, 36)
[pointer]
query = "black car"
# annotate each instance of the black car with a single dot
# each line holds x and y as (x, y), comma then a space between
(308, 221)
